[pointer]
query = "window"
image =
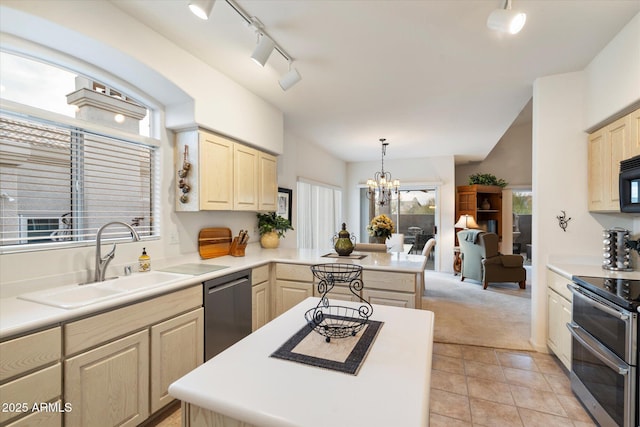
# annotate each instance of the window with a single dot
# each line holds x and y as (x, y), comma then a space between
(73, 157)
(60, 183)
(322, 207)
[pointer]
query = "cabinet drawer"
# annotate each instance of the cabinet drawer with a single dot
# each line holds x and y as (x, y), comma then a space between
(95, 330)
(395, 299)
(26, 353)
(559, 284)
(403, 282)
(294, 272)
(41, 419)
(40, 386)
(260, 274)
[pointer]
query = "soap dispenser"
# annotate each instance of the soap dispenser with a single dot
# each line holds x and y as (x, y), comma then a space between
(144, 261)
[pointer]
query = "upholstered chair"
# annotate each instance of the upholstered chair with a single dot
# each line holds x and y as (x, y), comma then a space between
(482, 261)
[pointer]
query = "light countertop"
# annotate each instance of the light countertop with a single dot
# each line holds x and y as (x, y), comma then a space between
(391, 388)
(586, 266)
(18, 316)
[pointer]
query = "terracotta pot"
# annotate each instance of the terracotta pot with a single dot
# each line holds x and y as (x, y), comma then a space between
(270, 240)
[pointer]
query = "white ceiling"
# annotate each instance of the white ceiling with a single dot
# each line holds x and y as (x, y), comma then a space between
(428, 75)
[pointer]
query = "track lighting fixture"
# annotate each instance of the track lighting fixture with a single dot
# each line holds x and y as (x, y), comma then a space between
(201, 8)
(263, 50)
(507, 20)
(290, 78)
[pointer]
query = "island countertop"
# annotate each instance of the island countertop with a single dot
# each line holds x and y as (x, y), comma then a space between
(391, 388)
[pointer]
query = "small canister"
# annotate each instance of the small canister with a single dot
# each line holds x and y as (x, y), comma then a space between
(144, 261)
(616, 254)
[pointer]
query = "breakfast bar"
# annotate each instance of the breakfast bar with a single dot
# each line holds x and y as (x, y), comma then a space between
(246, 384)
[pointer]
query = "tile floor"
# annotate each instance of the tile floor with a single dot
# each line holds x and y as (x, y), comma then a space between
(479, 386)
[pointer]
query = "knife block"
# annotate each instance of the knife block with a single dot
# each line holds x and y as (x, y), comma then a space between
(236, 248)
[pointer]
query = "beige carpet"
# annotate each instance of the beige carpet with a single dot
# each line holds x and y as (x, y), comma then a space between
(499, 316)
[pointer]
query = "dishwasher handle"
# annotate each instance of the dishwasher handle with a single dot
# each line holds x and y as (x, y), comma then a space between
(215, 288)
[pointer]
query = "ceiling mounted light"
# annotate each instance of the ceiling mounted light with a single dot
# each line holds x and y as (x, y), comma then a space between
(382, 187)
(263, 50)
(507, 20)
(201, 8)
(290, 78)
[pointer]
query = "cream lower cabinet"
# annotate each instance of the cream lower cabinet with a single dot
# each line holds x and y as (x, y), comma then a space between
(558, 315)
(31, 374)
(389, 288)
(177, 348)
(109, 385)
(120, 363)
(293, 284)
(260, 297)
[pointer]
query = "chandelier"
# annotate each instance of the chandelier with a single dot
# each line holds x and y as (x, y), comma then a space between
(382, 187)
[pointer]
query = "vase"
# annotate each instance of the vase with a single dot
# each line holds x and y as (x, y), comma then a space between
(486, 205)
(379, 239)
(270, 240)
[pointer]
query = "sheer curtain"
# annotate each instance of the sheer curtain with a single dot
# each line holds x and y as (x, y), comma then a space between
(319, 214)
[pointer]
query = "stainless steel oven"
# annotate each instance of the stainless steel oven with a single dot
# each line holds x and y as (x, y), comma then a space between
(604, 357)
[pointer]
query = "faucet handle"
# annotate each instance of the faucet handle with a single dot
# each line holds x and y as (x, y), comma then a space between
(127, 270)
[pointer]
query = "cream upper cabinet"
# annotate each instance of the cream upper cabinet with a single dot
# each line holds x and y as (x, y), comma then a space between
(607, 147)
(268, 182)
(245, 178)
(224, 174)
(216, 172)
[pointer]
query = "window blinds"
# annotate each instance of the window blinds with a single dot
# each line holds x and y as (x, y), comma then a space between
(61, 184)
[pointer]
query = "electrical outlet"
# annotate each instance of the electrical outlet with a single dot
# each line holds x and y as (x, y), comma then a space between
(174, 238)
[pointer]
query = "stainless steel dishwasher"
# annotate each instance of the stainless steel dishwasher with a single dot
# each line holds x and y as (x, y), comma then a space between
(227, 311)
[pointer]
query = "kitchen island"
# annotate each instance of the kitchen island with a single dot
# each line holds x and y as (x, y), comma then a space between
(244, 384)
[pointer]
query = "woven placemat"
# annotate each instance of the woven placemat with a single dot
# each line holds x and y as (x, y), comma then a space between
(340, 354)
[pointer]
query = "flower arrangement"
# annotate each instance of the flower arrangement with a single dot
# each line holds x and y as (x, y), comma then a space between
(381, 226)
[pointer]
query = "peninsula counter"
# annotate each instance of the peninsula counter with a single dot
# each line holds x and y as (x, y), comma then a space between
(245, 384)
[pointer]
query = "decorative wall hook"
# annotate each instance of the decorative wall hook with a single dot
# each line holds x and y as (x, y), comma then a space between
(563, 221)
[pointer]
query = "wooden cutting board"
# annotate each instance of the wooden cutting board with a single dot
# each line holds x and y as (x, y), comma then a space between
(214, 242)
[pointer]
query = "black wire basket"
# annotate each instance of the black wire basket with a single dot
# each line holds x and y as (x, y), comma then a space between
(336, 321)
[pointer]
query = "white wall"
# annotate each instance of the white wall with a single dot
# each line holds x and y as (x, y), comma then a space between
(612, 77)
(302, 159)
(563, 107)
(431, 170)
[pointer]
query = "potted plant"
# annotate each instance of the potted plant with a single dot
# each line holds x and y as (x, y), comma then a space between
(486, 179)
(380, 228)
(271, 227)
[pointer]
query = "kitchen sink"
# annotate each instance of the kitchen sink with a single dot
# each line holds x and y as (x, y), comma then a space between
(139, 282)
(74, 296)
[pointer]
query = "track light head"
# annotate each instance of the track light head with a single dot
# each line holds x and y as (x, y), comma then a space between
(263, 50)
(201, 8)
(290, 78)
(507, 20)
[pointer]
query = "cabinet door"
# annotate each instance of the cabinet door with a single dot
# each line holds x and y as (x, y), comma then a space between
(634, 133)
(268, 182)
(245, 172)
(289, 293)
(597, 162)
(216, 172)
(177, 348)
(109, 385)
(22, 393)
(260, 303)
(564, 337)
(554, 312)
(619, 149)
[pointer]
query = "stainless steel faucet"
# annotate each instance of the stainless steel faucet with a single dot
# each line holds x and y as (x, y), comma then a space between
(102, 262)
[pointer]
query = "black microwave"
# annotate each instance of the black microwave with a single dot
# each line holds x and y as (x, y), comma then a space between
(630, 185)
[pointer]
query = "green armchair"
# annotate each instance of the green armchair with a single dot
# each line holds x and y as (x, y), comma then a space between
(481, 260)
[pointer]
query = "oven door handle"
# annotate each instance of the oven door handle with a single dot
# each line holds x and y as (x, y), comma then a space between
(575, 290)
(598, 349)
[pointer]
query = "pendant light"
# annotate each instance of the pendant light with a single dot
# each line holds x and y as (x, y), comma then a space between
(381, 187)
